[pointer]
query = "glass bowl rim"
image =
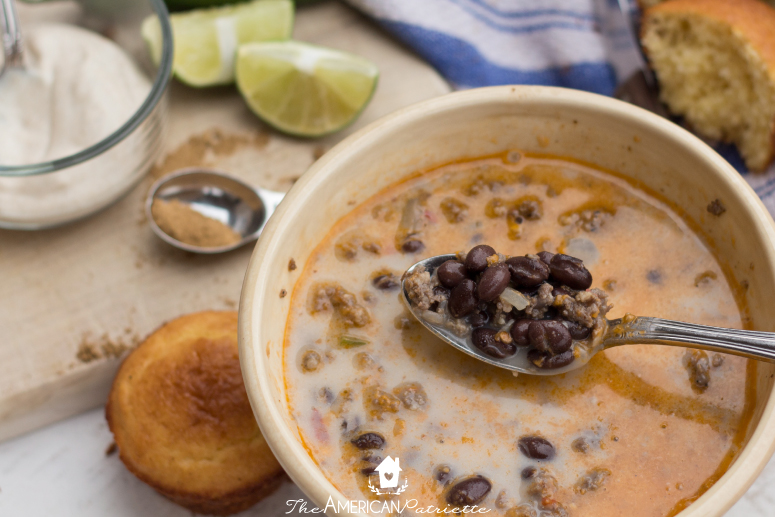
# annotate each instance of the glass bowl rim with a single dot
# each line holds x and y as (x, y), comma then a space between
(158, 88)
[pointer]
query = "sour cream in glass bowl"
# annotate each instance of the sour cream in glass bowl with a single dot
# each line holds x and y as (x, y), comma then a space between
(83, 122)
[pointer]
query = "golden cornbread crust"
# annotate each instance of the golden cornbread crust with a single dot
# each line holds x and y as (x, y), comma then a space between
(751, 19)
(180, 416)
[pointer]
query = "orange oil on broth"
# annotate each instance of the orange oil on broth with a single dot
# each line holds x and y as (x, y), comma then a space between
(663, 442)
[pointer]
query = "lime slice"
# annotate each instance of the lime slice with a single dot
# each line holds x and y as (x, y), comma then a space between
(303, 89)
(206, 40)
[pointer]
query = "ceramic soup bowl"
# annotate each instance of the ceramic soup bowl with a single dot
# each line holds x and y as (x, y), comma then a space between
(613, 135)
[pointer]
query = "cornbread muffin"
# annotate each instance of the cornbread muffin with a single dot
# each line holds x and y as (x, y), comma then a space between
(715, 62)
(182, 421)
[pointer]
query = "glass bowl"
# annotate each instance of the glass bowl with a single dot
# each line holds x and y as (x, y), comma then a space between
(51, 193)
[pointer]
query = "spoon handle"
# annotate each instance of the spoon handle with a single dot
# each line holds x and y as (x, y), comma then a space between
(746, 343)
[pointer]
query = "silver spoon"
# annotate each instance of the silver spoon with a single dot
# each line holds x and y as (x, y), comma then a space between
(630, 330)
(218, 196)
(12, 36)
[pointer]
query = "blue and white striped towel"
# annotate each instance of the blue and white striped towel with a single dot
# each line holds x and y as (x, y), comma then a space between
(582, 44)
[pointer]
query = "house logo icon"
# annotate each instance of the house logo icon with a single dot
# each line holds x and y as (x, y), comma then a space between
(389, 472)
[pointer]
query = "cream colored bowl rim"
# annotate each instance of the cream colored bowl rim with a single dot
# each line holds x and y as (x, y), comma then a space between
(292, 454)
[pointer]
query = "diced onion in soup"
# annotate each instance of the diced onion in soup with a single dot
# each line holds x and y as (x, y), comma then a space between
(515, 298)
(433, 317)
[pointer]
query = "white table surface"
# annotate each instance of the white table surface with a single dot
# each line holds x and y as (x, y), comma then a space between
(62, 471)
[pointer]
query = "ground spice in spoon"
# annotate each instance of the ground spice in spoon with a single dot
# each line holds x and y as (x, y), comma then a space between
(180, 221)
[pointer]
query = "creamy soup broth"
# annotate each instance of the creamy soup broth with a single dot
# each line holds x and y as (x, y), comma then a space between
(639, 431)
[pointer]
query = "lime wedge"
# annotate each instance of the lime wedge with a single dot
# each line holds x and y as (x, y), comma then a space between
(206, 40)
(303, 89)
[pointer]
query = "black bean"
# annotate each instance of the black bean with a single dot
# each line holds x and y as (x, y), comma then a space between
(557, 291)
(484, 340)
(529, 291)
(530, 209)
(412, 246)
(654, 276)
(549, 336)
(369, 441)
(476, 260)
(385, 282)
(440, 291)
(528, 472)
(527, 272)
(519, 332)
(463, 299)
(545, 256)
(577, 331)
(570, 271)
(493, 281)
(478, 319)
(536, 448)
(513, 216)
(469, 491)
(546, 361)
(373, 462)
(451, 273)
(443, 474)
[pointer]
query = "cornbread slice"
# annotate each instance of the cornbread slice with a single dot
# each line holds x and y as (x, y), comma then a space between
(644, 4)
(182, 421)
(715, 62)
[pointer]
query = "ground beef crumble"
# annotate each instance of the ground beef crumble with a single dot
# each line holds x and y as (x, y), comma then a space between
(592, 480)
(698, 364)
(426, 294)
(586, 307)
(541, 302)
(419, 287)
(542, 484)
(343, 302)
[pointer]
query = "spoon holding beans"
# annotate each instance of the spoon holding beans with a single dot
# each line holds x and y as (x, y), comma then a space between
(537, 315)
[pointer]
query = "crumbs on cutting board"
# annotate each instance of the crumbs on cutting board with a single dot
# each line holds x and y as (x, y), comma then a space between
(105, 347)
(318, 151)
(228, 302)
(203, 148)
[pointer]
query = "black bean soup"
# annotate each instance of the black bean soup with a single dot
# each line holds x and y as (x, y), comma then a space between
(552, 248)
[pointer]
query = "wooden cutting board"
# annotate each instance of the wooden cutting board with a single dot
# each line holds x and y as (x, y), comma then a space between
(75, 299)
